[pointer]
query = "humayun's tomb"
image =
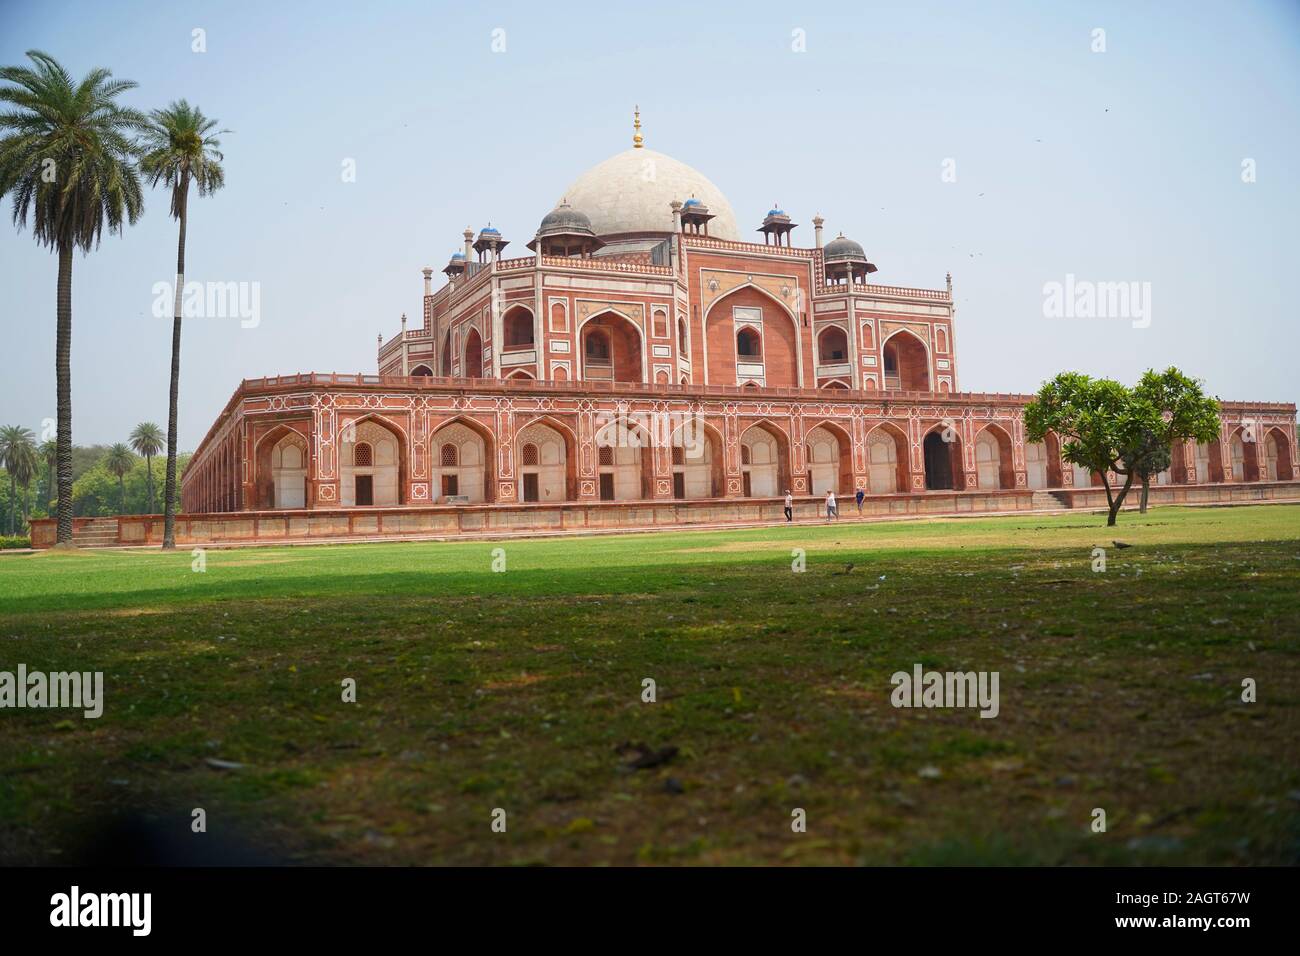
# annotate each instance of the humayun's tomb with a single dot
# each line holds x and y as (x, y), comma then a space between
(521, 398)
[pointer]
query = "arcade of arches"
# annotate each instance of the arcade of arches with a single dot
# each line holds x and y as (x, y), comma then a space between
(373, 460)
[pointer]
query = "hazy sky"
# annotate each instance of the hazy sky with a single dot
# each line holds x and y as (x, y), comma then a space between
(1123, 165)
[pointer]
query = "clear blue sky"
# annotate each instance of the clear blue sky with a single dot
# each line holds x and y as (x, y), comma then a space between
(1123, 165)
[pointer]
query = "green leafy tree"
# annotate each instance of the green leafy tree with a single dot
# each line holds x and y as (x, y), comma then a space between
(1185, 412)
(18, 455)
(119, 461)
(147, 440)
(48, 453)
(1099, 419)
(180, 147)
(66, 157)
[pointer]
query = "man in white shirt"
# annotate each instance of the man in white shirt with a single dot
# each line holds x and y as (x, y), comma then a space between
(832, 509)
(789, 506)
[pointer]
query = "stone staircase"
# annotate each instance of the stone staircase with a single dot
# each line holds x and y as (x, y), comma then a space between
(98, 533)
(1050, 500)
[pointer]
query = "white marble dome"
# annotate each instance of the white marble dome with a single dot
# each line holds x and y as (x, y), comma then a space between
(632, 192)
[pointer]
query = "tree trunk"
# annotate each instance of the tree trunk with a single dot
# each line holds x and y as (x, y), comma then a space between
(121, 495)
(1118, 501)
(63, 390)
(169, 505)
(148, 477)
(1146, 491)
(13, 502)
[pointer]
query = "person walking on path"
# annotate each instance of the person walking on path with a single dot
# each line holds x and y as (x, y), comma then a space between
(789, 506)
(832, 509)
(859, 496)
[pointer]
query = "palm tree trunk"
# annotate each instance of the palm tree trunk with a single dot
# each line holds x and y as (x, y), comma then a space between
(63, 380)
(148, 474)
(13, 502)
(169, 514)
(121, 494)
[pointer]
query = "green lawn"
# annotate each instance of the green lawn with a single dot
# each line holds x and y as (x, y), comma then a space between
(478, 690)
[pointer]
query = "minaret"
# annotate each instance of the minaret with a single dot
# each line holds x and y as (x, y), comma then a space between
(428, 280)
(818, 222)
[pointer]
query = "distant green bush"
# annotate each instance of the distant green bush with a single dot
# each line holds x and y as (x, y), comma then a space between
(8, 542)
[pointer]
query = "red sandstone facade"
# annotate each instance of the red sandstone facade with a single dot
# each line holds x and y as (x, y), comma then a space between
(804, 375)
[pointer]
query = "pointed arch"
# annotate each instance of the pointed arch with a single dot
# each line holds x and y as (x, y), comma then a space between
(699, 471)
(830, 472)
(782, 349)
(768, 473)
(624, 460)
(1278, 460)
(832, 345)
(570, 464)
(517, 329)
(994, 461)
(389, 470)
(475, 476)
(611, 348)
(1244, 455)
(942, 450)
(887, 460)
(472, 364)
(906, 361)
(265, 466)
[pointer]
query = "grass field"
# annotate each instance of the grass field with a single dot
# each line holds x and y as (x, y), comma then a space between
(479, 690)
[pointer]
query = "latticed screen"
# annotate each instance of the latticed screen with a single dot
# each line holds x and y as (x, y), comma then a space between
(607, 456)
(363, 455)
(530, 454)
(449, 455)
(679, 455)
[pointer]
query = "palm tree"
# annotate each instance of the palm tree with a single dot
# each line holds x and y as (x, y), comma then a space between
(66, 156)
(179, 147)
(18, 455)
(147, 440)
(48, 452)
(119, 461)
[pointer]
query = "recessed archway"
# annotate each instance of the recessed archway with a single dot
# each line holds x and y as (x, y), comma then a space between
(473, 364)
(832, 346)
(698, 464)
(994, 466)
(517, 327)
(461, 451)
(887, 471)
(624, 462)
(943, 463)
(276, 483)
(421, 371)
(611, 349)
(764, 461)
(1245, 457)
(1277, 456)
(907, 362)
(830, 459)
(372, 463)
(548, 462)
(750, 306)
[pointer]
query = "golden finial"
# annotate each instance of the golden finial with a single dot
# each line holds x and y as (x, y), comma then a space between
(637, 139)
